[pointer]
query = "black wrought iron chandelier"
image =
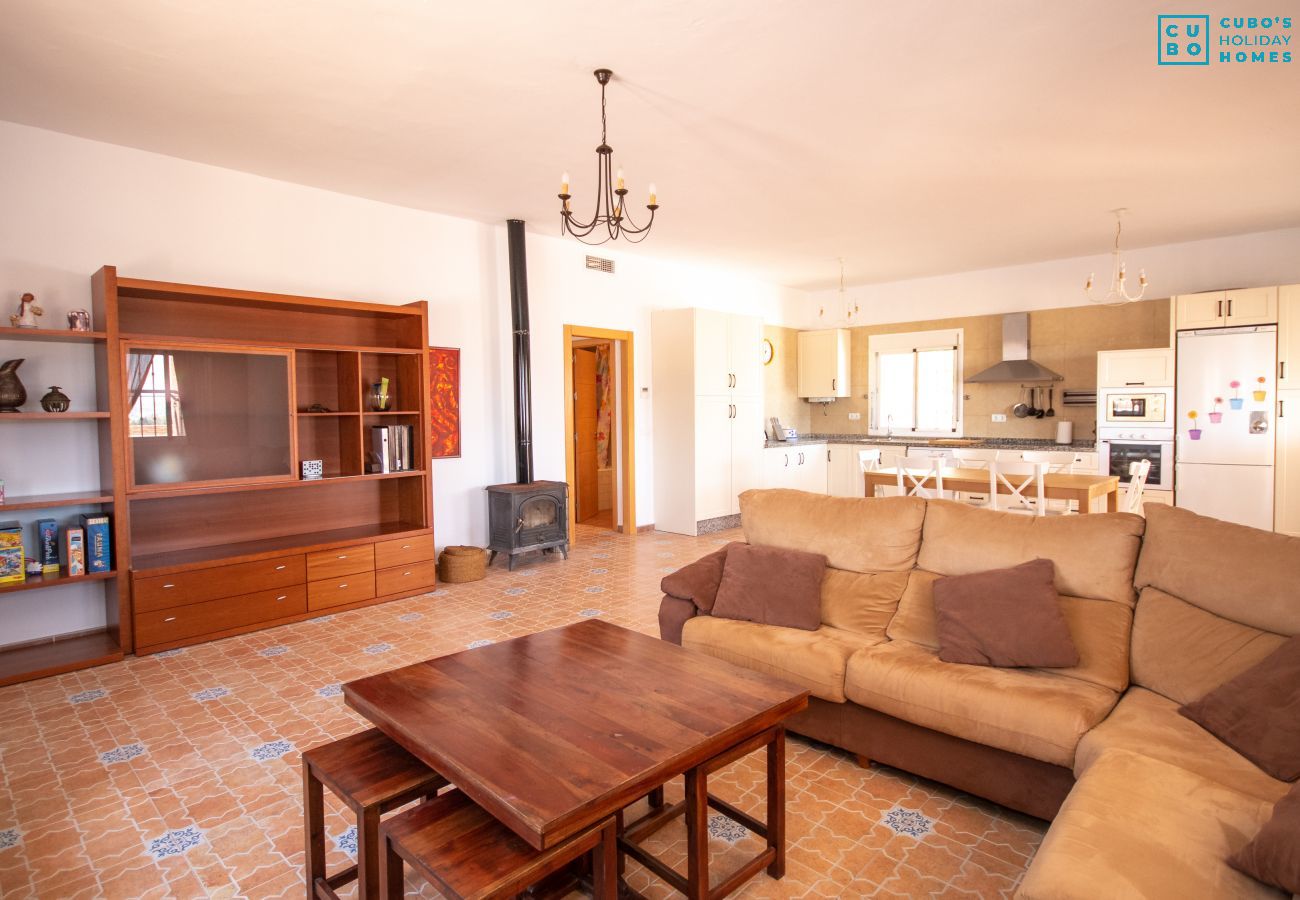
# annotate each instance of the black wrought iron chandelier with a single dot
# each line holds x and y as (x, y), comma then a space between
(611, 219)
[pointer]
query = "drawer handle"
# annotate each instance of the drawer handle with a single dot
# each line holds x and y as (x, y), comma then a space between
(169, 585)
(344, 556)
(280, 568)
(170, 619)
(343, 585)
(281, 597)
(406, 546)
(405, 574)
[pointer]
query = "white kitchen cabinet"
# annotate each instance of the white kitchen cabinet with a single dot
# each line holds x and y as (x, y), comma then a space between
(1219, 309)
(801, 467)
(844, 467)
(708, 414)
(1286, 466)
(824, 363)
(1288, 337)
(1135, 368)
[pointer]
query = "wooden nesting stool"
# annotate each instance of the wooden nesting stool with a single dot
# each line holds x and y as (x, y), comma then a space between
(372, 775)
(459, 848)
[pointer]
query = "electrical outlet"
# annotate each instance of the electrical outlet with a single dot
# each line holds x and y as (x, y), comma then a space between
(853, 417)
(999, 417)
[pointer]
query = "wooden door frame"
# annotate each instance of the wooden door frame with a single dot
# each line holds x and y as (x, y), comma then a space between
(626, 451)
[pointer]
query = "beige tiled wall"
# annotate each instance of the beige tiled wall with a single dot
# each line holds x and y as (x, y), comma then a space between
(1065, 340)
(781, 379)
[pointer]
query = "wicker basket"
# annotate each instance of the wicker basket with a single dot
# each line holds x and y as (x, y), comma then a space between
(457, 565)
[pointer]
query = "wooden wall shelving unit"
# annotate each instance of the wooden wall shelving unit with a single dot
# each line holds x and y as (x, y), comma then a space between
(349, 540)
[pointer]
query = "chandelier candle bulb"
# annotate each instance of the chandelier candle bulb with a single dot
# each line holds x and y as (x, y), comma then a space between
(564, 183)
(653, 195)
(620, 179)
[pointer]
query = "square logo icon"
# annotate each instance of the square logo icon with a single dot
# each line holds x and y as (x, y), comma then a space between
(1183, 40)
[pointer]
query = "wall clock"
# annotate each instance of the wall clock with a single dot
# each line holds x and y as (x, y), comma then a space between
(768, 352)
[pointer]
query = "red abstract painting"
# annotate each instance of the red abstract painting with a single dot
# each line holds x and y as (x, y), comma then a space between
(444, 401)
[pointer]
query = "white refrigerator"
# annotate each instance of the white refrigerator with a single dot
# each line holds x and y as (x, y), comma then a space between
(1225, 455)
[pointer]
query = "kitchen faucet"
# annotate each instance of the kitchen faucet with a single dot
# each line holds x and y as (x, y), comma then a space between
(889, 425)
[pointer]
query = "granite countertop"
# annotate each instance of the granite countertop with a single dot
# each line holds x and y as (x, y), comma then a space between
(984, 443)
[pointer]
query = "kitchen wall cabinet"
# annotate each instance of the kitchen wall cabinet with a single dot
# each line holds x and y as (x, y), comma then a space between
(1220, 309)
(708, 411)
(1286, 472)
(1288, 337)
(801, 467)
(1135, 368)
(824, 363)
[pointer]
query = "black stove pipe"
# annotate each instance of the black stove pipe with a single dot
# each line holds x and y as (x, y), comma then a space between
(523, 359)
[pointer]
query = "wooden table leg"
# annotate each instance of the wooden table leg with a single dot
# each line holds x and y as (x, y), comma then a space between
(392, 883)
(1112, 501)
(697, 835)
(776, 802)
(605, 868)
(313, 804)
(656, 797)
(368, 854)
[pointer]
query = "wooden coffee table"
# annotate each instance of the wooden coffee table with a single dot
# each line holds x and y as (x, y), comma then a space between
(555, 731)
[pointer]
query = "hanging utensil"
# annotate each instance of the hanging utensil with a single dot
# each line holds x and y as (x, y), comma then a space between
(1033, 410)
(1051, 407)
(1039, 412)
(1020, 410)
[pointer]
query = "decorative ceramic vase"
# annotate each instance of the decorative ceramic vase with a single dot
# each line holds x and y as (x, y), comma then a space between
(1216, 417)
(55, 401)
(1236, 402)
(1260, 395)
(1194, 434)
(12, 392)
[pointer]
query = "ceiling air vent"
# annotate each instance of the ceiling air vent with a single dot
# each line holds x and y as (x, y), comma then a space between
(600, 265)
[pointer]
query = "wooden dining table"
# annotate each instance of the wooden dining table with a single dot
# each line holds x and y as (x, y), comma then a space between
(554, 732)
(1084, 489)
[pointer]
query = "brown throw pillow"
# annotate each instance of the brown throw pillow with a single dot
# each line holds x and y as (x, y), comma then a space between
(698, 582)
(772, 586)
(1004, 617)
(1273, 857)
(1258, 712)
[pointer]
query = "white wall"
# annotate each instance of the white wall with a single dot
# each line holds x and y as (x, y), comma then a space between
(71, 205)
(1248, 260)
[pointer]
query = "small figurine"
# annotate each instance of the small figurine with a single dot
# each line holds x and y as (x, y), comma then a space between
(79, 320)
(27, 313)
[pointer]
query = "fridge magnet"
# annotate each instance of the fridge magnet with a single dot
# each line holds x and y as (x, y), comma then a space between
(28, 313)
(1194, 433)
(444, 401)
(1260, 394)
(1216, 417)
(1236, 401)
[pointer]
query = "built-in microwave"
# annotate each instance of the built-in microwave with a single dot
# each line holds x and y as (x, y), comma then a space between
(1125, 407)
(1117, 456)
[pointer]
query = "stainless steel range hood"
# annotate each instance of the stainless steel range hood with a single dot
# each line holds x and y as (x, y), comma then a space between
(1016, 364)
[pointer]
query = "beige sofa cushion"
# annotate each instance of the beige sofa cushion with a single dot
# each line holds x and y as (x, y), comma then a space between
(1136, 828)
(1243, 574)
(1100, 631)
(1147, 723)
(1033, 712)
(1094, 554)
(854, 533)
(1184, 652)
(861, 602)
(815, 660)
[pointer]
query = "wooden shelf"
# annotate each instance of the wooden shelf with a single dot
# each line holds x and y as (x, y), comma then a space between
(165, 563)
(324, 415)
(55, 335)
(192, 491)
(36, 582)
(171, 340)
(50, 417)
(393, 412)
(50, 501)
(58, 655)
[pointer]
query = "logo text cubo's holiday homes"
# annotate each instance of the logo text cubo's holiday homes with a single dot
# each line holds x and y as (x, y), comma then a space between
(1198, 40)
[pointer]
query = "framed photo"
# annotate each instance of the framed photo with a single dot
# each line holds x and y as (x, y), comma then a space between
(444, 401)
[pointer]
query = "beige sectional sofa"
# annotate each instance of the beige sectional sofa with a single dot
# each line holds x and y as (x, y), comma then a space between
(1144, 803)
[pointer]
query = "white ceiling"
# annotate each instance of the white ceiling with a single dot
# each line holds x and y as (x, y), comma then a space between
(910, 138)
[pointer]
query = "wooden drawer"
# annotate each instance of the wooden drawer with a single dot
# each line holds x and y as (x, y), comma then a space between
(199, 585)
(405, 579)
(325, 564)
(166, 625)
(337, 591)
(403, 551)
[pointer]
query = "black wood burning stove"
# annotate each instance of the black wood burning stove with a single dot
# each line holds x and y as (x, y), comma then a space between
(527, 515)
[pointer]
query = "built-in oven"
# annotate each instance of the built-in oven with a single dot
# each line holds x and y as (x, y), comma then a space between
(1118, 454)
(1146, 407)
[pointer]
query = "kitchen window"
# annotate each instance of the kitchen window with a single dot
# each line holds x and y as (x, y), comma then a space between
(915, 383)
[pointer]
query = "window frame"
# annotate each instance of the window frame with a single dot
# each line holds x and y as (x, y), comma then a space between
(915, 342)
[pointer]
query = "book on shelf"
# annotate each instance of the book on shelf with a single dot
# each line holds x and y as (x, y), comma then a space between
(47, 545)
(11, 553)
(74, 551)
(391, 448)
(99, 542)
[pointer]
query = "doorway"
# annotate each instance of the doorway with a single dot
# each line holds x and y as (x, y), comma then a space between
(598, 425)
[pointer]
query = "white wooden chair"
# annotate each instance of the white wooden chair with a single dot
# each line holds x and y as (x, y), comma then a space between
(1137, 485)
(976, 458)
(1024, 483)
(1058, 462)
(869, 461)
(920, 475)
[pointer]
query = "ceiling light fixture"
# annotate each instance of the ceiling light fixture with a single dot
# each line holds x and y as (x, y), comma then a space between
(851, 307)
(1117, 294)
(611, 220)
